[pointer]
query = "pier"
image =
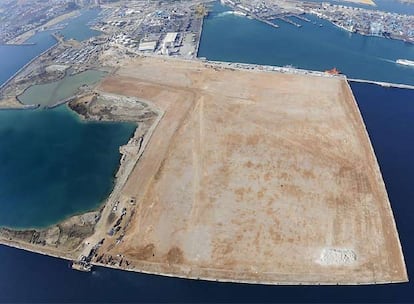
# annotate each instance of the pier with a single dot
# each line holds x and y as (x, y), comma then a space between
(300, 17)
(384, 84)
(266, 21)
(287, 20)
(21, 44)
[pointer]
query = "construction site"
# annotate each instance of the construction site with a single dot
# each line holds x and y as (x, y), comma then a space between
(248, 176)
(241, 175)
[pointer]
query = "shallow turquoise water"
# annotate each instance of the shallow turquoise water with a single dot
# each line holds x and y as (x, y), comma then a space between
(239, 39)
(50, 93)
(53, 165)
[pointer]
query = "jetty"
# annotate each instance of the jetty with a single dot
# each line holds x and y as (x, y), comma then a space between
(384, 84)
(287, 20)
(22, 44)
(266, 21)
(300, 17)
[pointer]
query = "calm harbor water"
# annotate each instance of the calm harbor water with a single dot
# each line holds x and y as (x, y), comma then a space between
(14, 57)
(239, 39)
(388, 114)
(78, 28)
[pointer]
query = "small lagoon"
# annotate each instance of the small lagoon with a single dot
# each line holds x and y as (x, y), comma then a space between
(51, 93)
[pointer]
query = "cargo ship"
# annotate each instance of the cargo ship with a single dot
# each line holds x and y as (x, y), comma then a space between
(405, 62)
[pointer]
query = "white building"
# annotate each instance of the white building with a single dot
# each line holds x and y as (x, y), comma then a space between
(148, 46)
(170, 39)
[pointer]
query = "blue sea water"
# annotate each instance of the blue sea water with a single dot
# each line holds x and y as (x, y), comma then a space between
(14, 57)
(53, 165)
(388, 114)
(78, 28)
(239, 39)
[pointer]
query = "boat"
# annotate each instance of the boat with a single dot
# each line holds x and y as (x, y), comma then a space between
(333, 71)
(238, 13)
(405, 62)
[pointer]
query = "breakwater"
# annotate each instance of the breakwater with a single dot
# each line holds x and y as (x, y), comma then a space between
(22, 44)
(24, 107)
(66, 100)
(384, 84)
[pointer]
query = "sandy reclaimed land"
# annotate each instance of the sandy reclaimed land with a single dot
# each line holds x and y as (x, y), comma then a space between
(11, 103)
(251, 176)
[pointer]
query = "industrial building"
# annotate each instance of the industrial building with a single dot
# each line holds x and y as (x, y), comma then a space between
(147, 46)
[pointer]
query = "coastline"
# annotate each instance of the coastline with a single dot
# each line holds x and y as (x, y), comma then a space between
(88, 107)
(4, 84)
(358, 32)
(38, 240)
(21, 39)
(113, 249)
